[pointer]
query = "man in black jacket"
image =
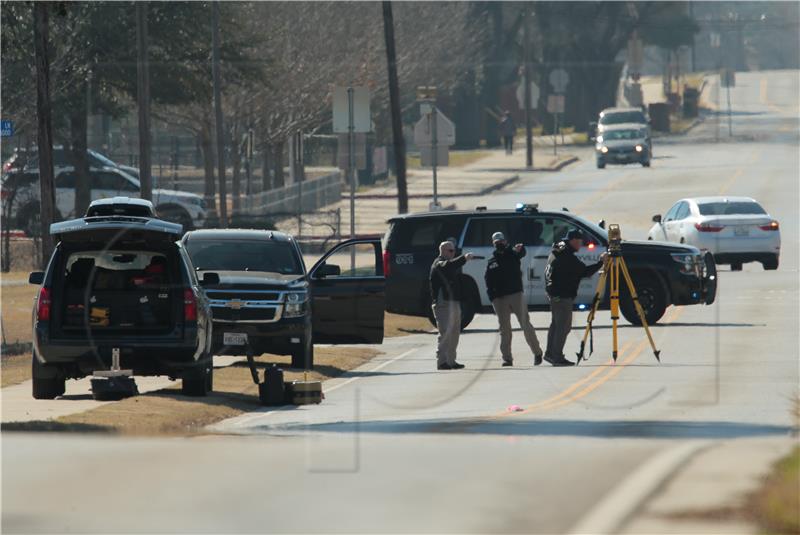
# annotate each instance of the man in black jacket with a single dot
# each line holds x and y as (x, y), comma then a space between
(445, 285)
(504, 285)
(562, 276)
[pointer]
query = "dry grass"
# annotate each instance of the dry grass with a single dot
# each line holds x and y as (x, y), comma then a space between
(457, 158)
(14, 369)
(776, 506)
(16, 305)
(167, 412)
(397, 325)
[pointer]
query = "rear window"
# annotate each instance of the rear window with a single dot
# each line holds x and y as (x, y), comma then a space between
(623, 117)
(245, 255)
(731, 208)
(423, 233)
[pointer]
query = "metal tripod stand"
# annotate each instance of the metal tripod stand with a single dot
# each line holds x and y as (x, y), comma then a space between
(613, 266)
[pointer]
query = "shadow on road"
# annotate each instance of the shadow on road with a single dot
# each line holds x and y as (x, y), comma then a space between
(660, 429)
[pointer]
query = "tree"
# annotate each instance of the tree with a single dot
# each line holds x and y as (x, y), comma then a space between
(397, 118)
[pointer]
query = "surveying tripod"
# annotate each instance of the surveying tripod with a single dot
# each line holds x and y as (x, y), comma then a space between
(613, 265)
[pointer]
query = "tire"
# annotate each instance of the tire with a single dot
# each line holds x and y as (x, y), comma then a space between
(304, 355)
(176, 214)
(48, 381)
(651, 296)
(601, 165)
(198, 381)
(771, 264)
(736, 266)
(646, 163)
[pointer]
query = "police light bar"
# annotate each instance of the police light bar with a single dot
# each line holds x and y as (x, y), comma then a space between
(525, 208)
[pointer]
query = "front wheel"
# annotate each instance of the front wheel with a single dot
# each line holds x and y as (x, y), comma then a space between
(736, 266)
(651, 297)
(601, 165)
(646, 163)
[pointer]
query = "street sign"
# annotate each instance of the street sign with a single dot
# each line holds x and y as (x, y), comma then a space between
(341, 111)
(445, 131)
(559, 80)
(6, 128)
(555, 103)
(727, 78)
(426, 156)
(534, 96)
(343, 151)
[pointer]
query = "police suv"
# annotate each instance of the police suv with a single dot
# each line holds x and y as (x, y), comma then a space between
(663, 274)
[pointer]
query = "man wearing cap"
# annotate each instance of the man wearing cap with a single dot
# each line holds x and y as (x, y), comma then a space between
(445, 285)
(562, 275)
(504, 285)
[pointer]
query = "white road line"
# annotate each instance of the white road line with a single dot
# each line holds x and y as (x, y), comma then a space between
(621, 503)
(243, 420)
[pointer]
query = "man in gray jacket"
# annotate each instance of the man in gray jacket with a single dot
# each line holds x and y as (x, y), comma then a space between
(445, 285)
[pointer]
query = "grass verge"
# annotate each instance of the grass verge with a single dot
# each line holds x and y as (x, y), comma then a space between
(456, 158)
(776, 505)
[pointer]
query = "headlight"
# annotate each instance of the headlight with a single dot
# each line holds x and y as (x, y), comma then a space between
(604, 149)
(639, 148)
(295, 305)
(690, 264)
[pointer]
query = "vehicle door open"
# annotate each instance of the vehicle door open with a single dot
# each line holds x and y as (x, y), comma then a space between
(348, 291)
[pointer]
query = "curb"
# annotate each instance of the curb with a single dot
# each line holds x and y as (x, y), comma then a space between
(623, 501)
(485, 191)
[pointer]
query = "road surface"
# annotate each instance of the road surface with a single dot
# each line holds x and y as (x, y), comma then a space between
(399, 447)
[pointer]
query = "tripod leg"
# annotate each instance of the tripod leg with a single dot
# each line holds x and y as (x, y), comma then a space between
(601, 283)
(639, 309)
(614, 305)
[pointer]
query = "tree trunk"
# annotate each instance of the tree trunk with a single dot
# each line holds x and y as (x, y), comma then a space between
(204, 138)
(45, 128)
(236, 156)
(143, 101)
(397, 118)
(277, 163)
(80, 161)
(218, 121)
(266, 183)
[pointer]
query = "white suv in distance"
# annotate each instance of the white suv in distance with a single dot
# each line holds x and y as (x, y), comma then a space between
(20, 193)
(735, 230)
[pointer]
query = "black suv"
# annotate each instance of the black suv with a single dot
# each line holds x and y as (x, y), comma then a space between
(663, 274)
(118, 282)
(266, 299)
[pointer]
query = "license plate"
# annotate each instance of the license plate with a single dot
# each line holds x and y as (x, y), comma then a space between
(741, 231)
(621, 157)
(234, 339)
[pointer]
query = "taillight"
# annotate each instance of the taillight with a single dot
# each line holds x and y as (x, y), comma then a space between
(189, 305)
(772, 226)
(43, 305)
(387, 263)
(705, 227)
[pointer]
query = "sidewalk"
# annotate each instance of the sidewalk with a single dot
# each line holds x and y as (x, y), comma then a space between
(376, 204)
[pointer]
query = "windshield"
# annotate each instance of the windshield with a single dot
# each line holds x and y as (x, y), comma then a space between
(597, 230)
(623, 117)
(621, 134)
(731, 208)
(245, 255)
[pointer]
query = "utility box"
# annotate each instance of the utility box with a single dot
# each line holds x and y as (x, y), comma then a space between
(659, 116)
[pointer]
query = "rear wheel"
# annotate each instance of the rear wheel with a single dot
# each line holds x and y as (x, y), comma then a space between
(48, 381)
(770, 264)
(651, 297)
(198, 381)
(601, 165)
(736, 266)
(304, 355)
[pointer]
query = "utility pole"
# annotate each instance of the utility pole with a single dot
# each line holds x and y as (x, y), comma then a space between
(223, 201)
(527, 71)
(143, 101)
(397, 119)
(45, 127)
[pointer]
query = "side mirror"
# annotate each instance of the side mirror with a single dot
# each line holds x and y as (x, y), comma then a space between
(601, 223)
(36, 277)
(328, 270)
(657, 218)
(210, 279)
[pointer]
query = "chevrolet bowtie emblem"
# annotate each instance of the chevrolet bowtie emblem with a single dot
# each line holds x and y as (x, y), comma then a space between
(235, 304)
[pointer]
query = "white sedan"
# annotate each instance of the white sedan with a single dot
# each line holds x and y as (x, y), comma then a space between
(734, 229)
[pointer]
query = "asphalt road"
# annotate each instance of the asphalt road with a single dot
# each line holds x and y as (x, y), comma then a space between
(399, 447)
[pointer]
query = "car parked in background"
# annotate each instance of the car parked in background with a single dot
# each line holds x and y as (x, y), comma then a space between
(119, 283)
(735, 230)
(267, 300)
(622, 144)
(28, 160)
(21, 195)
(664, 274)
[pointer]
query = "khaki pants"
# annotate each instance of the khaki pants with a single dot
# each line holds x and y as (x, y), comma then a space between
(448, 321)
(560, 326)
(504, 307)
